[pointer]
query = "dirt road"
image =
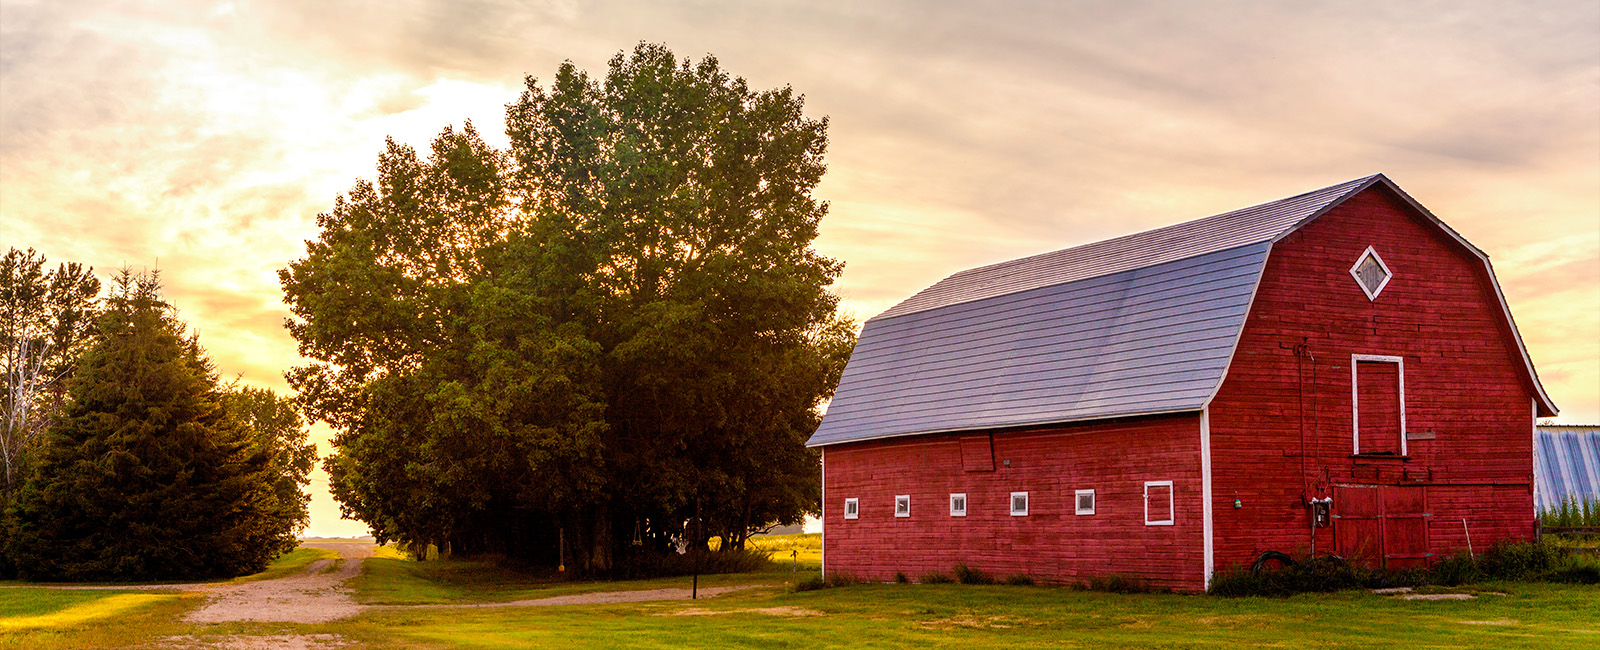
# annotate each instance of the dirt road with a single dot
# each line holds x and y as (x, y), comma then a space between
(317, 595)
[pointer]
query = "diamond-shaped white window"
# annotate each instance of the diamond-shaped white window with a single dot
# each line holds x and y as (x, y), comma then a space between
(1371, 273)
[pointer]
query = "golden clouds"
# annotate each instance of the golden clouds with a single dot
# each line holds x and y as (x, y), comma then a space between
(205, 136)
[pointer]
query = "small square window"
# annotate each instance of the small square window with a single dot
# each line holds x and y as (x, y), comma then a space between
(902, 505)
(958, 504)
(1019, 504)
(1158, 503)
(852, 508)
(1085, 502)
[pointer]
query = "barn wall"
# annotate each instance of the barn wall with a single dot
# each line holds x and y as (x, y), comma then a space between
(1051, 544)
(1464, 387)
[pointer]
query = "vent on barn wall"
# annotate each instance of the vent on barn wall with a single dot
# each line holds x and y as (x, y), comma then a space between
(1371, 273)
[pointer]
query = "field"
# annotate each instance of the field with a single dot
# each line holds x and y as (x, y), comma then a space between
(417, 605)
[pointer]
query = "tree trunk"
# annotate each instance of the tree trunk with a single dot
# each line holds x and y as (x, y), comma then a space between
(600, 542)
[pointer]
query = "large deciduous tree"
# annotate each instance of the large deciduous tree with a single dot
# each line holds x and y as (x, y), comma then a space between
(616, 321)
(148, 474)
(276, 425)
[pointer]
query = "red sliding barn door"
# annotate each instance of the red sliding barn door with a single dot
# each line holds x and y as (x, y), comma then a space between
(1382, 525)
(1405, 526)
(1358, 524)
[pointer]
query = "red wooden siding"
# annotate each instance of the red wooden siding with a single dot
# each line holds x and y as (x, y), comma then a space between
(1281, 425)
(1052, 543)
(977, 453)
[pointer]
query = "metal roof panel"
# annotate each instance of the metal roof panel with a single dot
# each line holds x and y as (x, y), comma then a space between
(1150, 338)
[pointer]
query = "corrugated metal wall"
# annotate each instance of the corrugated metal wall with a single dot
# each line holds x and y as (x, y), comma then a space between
(1567, 464)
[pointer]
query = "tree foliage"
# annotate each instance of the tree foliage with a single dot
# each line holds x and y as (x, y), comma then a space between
(589, 335)
(46, 320)
(276, 426)
(147, 474)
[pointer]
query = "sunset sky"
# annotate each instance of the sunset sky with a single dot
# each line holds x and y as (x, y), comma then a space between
(203, 138)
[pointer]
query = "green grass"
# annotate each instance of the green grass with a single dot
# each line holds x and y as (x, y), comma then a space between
(803, 551)
(391, 578)
(290, 563)
(1528, 615)
(960, 616)
(43, 618)
(1504, 615)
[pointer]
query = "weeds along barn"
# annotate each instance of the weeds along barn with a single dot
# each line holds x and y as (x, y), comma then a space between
(1335, 372)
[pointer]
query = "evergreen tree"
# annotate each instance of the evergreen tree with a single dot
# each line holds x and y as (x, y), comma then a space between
(147, 475)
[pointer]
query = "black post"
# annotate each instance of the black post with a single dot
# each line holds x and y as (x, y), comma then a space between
(694, 593)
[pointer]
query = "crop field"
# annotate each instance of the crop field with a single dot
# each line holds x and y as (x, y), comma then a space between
(458, 603)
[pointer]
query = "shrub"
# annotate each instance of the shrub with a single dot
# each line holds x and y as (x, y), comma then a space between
(1455, 570)
(1019, 580)
(1238, 582)
(812, 583)
(829, 581)
(936, 578)
(1576, 569)
(1320, 574)
(1117, 583)
(1505, 561)
(969, 576)
(900, 577)
(1520, 560)
(659, 565)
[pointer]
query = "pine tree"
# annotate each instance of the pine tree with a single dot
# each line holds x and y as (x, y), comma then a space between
(148, 475)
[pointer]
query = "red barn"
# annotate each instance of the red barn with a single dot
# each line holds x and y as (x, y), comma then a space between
(1335, 372)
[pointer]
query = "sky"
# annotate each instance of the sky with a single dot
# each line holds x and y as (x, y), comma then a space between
(202, 138)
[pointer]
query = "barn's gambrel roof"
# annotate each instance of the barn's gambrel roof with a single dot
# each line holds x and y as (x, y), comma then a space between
(1137, 325)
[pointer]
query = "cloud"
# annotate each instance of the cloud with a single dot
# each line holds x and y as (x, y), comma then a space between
(207, 135)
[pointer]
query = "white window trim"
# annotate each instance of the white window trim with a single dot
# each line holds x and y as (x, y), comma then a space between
(1172, 499)
(852, 513)
(961, 512)
(1013, 502)
(899, 499)
(1077, 503)
(1355, 398)
(1387, 274)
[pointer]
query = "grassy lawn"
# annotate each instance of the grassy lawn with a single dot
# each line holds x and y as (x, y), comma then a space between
(1514, 615)
(959, 616)
(33, 617)
(1504, 615)
(44, 619)
(290, 563)
(389, 578)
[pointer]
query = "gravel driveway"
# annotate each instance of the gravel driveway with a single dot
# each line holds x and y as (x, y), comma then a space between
(316, 595)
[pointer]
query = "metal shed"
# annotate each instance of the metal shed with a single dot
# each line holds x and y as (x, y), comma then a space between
(1567, 464)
